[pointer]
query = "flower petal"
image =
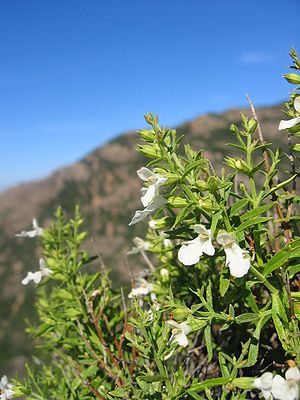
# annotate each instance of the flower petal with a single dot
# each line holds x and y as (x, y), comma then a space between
(4, 382)
(208, 248)
(185, 327)
(160, 180)
(37, 276)
(297, 104)
(264, 382)
(149, 195)
(293, 374)
(158, 202)
(145, 173)
(173, 323)
(224, 238)
(199, 228)
(289, 123)
(139, 216)
(190, 252)
(237, 260)
(181, 339)
(280, 388)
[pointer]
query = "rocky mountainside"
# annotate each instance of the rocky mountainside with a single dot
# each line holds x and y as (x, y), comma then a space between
(106, 187)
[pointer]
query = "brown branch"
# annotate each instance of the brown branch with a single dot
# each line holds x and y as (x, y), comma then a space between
(260, 135)
(88, 385)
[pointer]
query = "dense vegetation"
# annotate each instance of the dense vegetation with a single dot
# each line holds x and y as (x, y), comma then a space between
(215, 313)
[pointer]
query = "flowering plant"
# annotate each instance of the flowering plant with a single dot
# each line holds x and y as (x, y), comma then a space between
(214, 314)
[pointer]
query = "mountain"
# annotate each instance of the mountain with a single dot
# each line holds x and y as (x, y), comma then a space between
(106, 186)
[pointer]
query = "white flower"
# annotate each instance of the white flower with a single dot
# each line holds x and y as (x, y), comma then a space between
(297, 104)
(140, 245)
(278, 388)
(142, 289)
(179, 332)
(190, 252)
(289, 123)
(237, 259)
(264, 383)
(155, 307)
(6, 392)
(292, 375)
(294, 121)
(38, 275)
(164, 273)
(36, 231)
(140, 215)
(154, 180)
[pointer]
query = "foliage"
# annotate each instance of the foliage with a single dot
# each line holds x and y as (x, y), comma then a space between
(196, 330)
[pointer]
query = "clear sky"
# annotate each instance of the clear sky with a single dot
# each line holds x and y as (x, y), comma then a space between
(75, 73)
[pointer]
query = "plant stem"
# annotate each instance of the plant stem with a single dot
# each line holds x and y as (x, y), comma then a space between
(263, 280)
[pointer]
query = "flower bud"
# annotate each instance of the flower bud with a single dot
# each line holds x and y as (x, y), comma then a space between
(148, 135)
(177, 202)
(150, 119)
(149, 151)
(201, 185)
(181, 313)
(292, 78)
(165, 275)
(158, 223)
(237, 164)
(251, 126)
(213, 184)
(208, 204)
(172, 178)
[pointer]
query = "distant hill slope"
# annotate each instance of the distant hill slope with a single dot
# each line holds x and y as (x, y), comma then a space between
(106, 186)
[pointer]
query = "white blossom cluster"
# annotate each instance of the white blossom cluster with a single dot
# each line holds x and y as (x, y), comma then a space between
(43, 271)
(277, 388)
(237, 259)
(151, 199)
(6, 389)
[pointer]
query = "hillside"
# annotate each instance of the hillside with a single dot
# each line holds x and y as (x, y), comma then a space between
(106, 187)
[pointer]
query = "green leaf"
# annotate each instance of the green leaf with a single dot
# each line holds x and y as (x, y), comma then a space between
(92, 370)
(281, 332)
(293, 270)
(237, 206)
(277, 261)
(223, 366)
(195, 395)
(209, 383)
(246, 317)
(190, 167)
(251, 302)
(182, 214)
(44, 328)
(208, 342)
(150, 378)
(279, 186)
(297, 147)
(215, 219)
(119, 392)
(280, 258)
(224, 285)
(243, 382)
(278, 308)
(252, 222)
(256, 211)
(63, 294)
(254, 345)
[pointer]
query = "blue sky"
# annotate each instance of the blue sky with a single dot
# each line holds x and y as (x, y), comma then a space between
(75, 73)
